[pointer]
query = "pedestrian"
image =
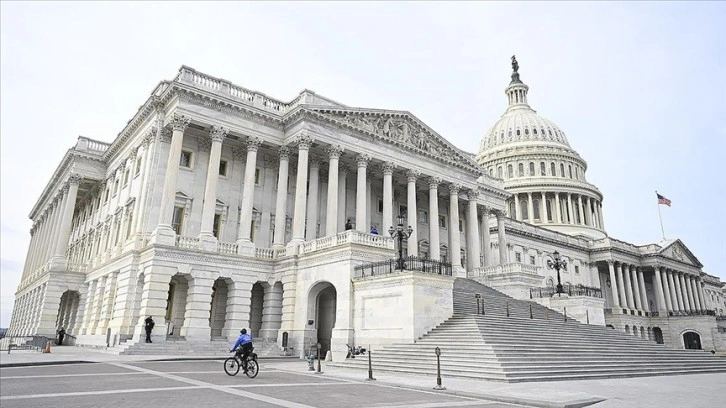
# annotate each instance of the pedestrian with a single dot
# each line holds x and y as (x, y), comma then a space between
(348, 225)
(61, 335)
(374, 231)
(149, 326)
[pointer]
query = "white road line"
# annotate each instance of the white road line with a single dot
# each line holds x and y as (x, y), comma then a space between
(15, 377)
(86, 393)
(435, 404)
(257, 397)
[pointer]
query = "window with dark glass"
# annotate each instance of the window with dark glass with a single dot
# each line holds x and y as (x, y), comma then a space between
(185, 160)
(223, 168)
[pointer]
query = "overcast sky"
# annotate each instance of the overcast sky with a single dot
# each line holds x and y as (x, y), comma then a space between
(638, 88)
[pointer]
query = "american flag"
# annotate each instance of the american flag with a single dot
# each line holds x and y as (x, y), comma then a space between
(663, 200)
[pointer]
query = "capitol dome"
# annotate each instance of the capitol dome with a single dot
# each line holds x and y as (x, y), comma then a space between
(546, 177)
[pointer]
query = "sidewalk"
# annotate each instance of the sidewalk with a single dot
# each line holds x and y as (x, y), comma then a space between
(700, 390)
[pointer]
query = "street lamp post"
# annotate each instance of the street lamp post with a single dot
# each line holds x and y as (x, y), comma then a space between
(399, 233)
(557, 264)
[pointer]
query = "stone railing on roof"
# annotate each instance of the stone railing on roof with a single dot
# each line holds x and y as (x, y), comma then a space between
(523, 227)
(87, 145)
(225, 88)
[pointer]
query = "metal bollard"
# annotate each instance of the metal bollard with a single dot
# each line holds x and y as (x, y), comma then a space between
(370, 366)
(478, 306)
(438, 370)
(507, 309)
(319, 372)
(531, 316)
(565, 314)
(587, 315)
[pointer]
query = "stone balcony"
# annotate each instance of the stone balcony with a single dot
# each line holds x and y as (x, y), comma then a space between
(514, 279)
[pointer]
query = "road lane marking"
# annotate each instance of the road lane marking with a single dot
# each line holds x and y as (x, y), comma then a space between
(89, 393)
(15, 377)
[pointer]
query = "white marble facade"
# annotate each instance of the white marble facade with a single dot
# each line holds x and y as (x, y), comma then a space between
(218, 208)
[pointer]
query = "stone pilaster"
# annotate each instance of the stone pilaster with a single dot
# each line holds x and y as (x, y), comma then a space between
(434, 242)
(412, 216)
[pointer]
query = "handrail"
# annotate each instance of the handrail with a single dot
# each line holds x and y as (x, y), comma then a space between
(570, 290)
(410, 263)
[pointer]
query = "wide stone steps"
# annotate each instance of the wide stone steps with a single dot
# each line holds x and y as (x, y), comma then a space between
(188, 348)
(519, 348)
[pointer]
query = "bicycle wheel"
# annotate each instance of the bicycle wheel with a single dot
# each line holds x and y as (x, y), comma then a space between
(231, 366)
(252, 369)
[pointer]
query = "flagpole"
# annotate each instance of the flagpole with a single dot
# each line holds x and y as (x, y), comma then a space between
(660, 217)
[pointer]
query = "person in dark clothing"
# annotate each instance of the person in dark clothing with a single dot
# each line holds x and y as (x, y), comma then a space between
(243, 347)
(374, 230)
(61, 335)
(149, 326)
(348, 225)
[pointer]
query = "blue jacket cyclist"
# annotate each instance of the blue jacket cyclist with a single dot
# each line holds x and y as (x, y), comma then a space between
(243, 346)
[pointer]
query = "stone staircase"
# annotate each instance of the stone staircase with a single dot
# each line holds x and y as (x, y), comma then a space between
(179, 346)
(518, 348)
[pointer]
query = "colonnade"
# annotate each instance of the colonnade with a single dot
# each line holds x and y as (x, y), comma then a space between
(547, 207)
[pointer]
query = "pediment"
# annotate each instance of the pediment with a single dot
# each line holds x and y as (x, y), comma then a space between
(404, 130)
(678, 251)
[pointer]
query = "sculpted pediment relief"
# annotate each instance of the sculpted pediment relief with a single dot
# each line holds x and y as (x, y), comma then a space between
(404, 130)
(678, 251)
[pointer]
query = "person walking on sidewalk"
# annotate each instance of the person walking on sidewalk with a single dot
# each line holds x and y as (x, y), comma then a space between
(149, 326)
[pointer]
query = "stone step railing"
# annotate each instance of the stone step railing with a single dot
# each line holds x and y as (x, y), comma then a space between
(187, 242)
(506, 269)
(348, 237)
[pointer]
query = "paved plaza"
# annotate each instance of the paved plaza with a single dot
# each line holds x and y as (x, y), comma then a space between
(79, 377)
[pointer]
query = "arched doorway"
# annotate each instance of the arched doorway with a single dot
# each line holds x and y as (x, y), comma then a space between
(691, 341)
(322, 304)
(218, 308)
(658, 335)
(68, 310)
(176, 305)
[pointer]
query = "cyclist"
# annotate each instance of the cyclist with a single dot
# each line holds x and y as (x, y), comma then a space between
(243, 347)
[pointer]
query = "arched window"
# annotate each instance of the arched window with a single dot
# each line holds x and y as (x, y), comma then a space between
(562, 170)
(520, 170)
(518, 132)
(501, 137)
(491, 172)
(534, 130)
(542, 169)
(500, 173)
(570, 168)
(510, 171)
(627, 329)
(550, 131)
(510, 134)
(552, 169)
(512, 210)
(523, 207)
(535, 208)
(526, 131)
(531, 168)
(548, 204)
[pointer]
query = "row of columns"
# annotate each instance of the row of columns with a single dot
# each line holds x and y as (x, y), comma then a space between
(27, 312)
(306, 194)
(675, 291)
(588, 210)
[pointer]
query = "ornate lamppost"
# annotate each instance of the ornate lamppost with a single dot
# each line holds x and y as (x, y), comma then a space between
(557, 264)
(400, 234)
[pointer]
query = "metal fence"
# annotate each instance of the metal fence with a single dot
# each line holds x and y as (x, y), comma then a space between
(410, 263)
(36, 343)
(569, 290)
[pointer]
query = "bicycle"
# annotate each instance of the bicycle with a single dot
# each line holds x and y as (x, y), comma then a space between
(232, 365)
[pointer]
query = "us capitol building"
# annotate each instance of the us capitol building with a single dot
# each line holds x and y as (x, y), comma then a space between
(218, 208)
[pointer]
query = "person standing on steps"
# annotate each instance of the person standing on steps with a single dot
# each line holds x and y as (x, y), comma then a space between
(61, 335)
(148, 326)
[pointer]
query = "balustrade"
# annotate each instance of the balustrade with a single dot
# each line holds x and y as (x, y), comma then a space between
(570, 290)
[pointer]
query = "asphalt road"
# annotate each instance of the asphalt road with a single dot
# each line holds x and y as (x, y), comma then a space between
(204, 384)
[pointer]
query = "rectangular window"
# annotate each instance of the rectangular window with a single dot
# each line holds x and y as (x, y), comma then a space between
(186, 159)
(257, 177)
(423, 216)
(223, 168)
(137, 170)
(380, 206)
(129, 224)
(518, 256)
(115, 187)
(108, 191)
(531, 259)
(442, 221)
(577, 269)
(178, 220)
(215, 226)
(403, 210)
(461, 226)
(126, 177)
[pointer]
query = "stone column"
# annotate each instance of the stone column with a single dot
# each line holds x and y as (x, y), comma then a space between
(88, 308)
(388, 196)
(298, 224)
(60, 213)
(281, 200)
(207, 239)
(662, 306)
(599, 215)
(699, 292)
(145, 177)
(636, 288)
(613, 284)
(501, 238)
(342, 189)
(164, 233)
(311, 226)
(674, 293)
(411, 175)
(109, 296)
(486, 237)
(580, 210)
(680, 290)
(570, 212)
(517, 208)
(331, 218)
(668, 288)
(271, 312)
(196, 318)
(361, 223)
(97, 305)
(687, 293)
(244, 243)
(543, 208)
(71, 192)
(530, 209)
(643, 293)
(454, 236)
(472, 229)
(692, 293)
(621, 287)
(558, 208)
(434, 242)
